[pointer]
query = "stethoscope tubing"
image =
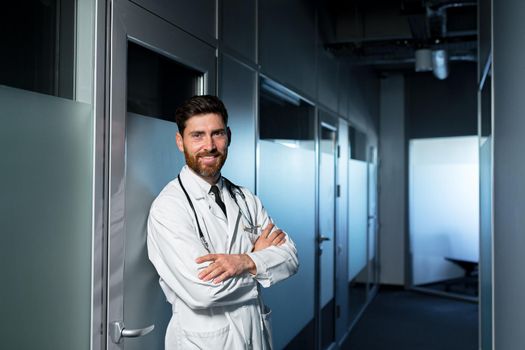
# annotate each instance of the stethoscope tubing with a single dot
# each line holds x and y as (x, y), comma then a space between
(231, 189)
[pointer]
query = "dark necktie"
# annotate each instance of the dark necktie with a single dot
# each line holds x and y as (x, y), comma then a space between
(215, 190)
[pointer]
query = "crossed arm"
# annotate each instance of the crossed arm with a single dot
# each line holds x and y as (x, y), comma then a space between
(224, 266)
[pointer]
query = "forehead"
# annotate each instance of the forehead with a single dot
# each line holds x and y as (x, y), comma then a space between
(209, 121)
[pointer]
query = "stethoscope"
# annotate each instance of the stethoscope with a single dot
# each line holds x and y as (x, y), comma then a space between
(233, 190)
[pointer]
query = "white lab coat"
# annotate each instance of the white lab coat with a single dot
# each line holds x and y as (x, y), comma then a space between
(229, 315)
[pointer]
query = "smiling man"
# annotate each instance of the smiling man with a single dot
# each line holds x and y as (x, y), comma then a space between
(213, 243)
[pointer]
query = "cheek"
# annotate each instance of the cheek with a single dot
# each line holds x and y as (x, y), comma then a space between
(222, 145)
(192, 148)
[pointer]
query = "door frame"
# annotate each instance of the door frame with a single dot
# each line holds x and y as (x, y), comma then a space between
(330, 121)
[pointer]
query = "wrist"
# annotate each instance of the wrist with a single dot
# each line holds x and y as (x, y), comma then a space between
(249, 264)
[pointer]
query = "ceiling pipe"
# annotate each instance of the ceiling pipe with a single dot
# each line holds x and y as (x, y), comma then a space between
(440, 10)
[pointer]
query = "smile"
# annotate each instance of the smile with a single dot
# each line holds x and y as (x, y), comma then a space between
(208, 159)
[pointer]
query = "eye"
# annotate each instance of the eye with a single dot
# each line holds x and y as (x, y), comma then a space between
(196, 135)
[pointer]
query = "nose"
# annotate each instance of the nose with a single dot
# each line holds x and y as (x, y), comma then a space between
(209, 143)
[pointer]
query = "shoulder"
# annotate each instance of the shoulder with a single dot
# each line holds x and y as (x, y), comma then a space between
(246, 194)
(170, 198)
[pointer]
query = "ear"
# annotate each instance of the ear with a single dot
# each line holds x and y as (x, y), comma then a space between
(180, 143)
(229, 132)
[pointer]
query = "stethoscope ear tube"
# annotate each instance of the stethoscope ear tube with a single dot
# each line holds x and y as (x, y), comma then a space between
(201, 235)
(231, 189)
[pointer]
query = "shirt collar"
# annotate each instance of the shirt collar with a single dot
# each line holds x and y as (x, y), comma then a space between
(203, 186)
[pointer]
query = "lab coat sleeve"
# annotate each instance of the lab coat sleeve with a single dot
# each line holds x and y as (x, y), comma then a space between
(174, 244)
(274, 263)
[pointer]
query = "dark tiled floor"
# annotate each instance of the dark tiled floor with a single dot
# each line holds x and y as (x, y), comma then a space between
(404, 320)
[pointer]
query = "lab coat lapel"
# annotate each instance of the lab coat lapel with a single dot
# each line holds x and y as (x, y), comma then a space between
(234, 216)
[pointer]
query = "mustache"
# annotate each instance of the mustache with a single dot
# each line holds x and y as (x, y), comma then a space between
(209, 153)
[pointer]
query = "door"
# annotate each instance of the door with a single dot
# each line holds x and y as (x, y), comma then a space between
(326, 235)
(373, 258)
(154, 66)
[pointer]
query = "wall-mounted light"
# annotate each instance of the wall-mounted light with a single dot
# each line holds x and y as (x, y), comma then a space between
(440, 64)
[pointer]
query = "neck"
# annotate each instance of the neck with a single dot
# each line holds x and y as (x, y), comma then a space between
(212, 180)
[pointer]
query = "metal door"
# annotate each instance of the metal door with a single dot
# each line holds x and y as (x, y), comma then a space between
(143, 158)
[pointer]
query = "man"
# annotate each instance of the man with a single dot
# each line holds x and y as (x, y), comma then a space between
(213, 243)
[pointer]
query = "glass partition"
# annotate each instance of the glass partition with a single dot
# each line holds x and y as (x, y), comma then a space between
(373, 268)
(444, 213)
(286, 186)
(327, 193)
(46, 185)
(357, 238)
(357, 223)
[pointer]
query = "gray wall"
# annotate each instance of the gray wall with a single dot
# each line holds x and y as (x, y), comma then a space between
(288, 43)
(509, 173)
(392, 181)
(442, 108)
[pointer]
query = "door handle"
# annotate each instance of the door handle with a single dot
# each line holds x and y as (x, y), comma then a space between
(118, 331)
(323, 238)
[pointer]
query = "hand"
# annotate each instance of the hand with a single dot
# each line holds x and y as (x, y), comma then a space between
(224, 266)
(269, 238)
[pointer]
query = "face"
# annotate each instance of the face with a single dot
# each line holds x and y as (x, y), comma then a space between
(205, 145)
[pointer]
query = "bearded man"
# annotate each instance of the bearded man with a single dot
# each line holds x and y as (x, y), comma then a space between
(213, 243)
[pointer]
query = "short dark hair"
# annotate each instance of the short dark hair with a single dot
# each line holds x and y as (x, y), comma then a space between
(201, 104)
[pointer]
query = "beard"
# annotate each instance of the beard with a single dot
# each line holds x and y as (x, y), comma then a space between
(206, 170)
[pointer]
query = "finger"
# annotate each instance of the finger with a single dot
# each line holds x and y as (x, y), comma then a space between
(204, 258)
(277, 236)
(281, 242)
(210, 272)
(267, 230)
(224, 276)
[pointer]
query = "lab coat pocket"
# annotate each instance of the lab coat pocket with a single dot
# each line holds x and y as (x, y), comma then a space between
(267, 324)
(217, 339)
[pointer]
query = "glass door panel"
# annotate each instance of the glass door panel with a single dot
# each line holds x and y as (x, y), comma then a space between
(326, 239)
(358, 244)
(372, 218)
(286, 186)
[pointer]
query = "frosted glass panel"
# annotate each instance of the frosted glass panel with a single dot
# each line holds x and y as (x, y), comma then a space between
(45, 206)
(444, 206)
(357, 217)
(326, 218)
(372, 210)
(287, 189)
(152, 160)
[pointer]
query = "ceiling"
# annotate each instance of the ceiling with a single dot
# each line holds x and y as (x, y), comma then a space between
(386, 33)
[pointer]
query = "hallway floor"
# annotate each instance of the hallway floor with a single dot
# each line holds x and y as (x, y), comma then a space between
(405, 320)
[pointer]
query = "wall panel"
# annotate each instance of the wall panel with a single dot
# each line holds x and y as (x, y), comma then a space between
(238, 27)
(509, 173)
(327, 82)
(237, 90)
(287, 43)
(197, 17)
